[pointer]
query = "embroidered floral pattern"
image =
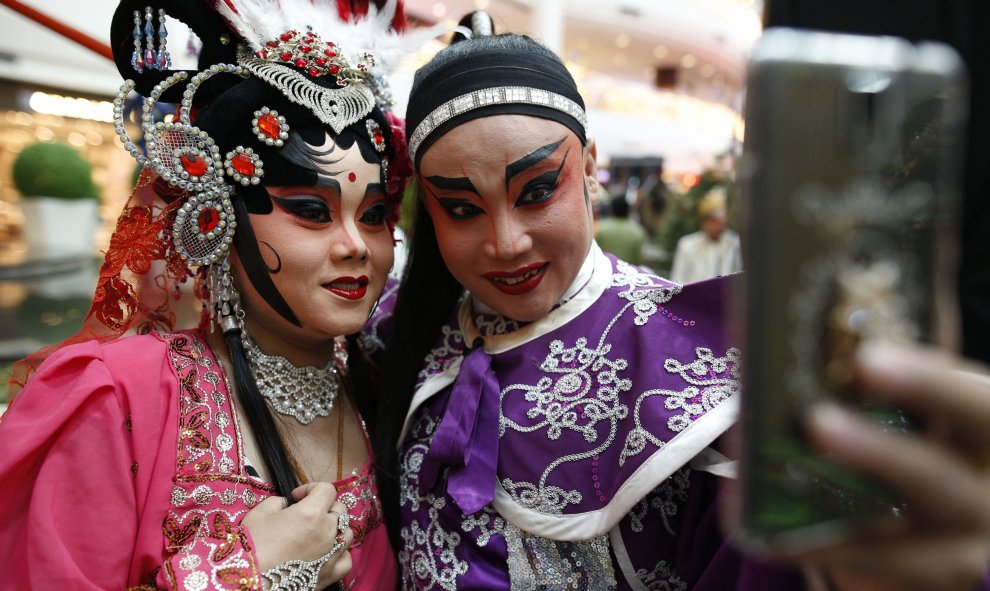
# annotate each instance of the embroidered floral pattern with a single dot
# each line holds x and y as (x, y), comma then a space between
(209, 550)
(428, 555)
(666, 498)
(449, 349)
(661, 578)
(645, 291)
(713, 380)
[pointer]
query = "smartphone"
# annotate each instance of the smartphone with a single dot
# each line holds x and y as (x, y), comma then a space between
(849, 180)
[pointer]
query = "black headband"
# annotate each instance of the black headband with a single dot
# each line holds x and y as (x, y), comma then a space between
(492, 81)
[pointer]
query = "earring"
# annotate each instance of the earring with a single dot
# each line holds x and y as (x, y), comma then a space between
(150, 61)
(137, 60)
(164, 58)
(225, 301)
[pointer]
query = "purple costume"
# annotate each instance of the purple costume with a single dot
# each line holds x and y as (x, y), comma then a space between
(577, 451)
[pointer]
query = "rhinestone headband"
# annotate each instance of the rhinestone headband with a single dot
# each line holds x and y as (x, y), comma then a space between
(500, 95)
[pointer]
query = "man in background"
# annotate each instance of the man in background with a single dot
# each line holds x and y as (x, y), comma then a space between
(712, 251)
(619, 235)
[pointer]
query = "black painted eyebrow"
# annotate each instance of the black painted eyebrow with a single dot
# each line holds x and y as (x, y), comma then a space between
(328, 181)
(453, 184)
(374, 188)
(529, 160)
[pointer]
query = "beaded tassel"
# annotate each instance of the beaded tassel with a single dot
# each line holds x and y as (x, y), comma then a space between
(164, 58)
(137, 60)
(150, 61)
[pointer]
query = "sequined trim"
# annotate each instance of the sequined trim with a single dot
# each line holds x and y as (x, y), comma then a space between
(205, 545)
(539, 563)
(500, 95)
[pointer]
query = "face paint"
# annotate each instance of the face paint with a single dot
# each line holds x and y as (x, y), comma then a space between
(328, 250)
(512, 222)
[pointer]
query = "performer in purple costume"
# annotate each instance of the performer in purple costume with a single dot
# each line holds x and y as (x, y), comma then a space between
(560, 422)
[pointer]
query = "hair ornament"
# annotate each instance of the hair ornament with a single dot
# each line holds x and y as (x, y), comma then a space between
(270, 127)
(308, 52)
(148, 58)
(188, 158)
(375, 134)
(244, 166)
(337, 107)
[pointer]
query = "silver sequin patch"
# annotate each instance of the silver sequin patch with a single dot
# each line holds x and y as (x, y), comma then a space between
(550, 565)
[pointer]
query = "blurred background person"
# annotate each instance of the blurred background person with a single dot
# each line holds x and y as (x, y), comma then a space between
(618, 234)
(712, 251)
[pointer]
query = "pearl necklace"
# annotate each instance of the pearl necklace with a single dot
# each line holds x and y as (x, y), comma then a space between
(303, 393)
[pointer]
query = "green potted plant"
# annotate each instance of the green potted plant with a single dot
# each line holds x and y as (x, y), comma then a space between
(60, 201)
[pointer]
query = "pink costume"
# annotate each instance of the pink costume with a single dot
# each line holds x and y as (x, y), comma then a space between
(123, 467)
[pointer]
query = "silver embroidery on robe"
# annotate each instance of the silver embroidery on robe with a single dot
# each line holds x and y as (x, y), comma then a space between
(666, 498)
(661, 578)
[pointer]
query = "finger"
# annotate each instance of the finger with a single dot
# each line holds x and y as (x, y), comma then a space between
(927, 381)
(272, 504)
(939, 487)
(319, 496)
(302, 491)
(931, 564)
(338, 567)
(342, 522)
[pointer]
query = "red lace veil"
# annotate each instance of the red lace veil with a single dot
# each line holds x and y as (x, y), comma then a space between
(139, 285)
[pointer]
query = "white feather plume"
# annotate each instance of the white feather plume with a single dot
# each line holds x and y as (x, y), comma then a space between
(259, 21)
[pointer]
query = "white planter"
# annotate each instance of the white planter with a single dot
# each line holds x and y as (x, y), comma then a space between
(59, 227)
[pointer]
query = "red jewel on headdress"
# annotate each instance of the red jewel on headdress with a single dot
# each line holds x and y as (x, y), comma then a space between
(321, 61)
(330, 54)
(262, 54)
(193, 164)
(269, 125)
(305, 48)
(208, 220)
(334, 69)
(314, 71)
(243, 164)
(285, 56)
(300, 63)
(286, 36)
(352, 177)
(271, 44)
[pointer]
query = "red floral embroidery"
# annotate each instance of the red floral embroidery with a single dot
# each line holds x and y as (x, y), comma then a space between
(180, 535)
(241, 577)
(232, 537)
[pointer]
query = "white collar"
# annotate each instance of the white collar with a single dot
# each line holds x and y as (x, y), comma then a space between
(591, 281)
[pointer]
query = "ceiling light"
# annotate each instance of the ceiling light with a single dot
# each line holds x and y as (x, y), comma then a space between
(660, 52)
(622, 41)
(80, 108)
(688, 61)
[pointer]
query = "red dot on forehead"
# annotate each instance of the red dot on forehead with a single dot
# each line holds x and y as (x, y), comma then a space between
(351, 177)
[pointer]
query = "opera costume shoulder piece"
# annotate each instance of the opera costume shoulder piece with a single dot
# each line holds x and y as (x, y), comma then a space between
(124, 462)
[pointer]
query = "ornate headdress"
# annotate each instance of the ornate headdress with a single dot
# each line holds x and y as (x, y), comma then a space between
(266, 67)
(490, 79)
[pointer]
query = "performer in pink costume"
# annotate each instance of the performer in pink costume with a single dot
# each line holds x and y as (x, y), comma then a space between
(233, 456)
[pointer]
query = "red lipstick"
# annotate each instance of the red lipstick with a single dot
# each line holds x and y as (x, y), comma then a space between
(520, 281)
(348, 287)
